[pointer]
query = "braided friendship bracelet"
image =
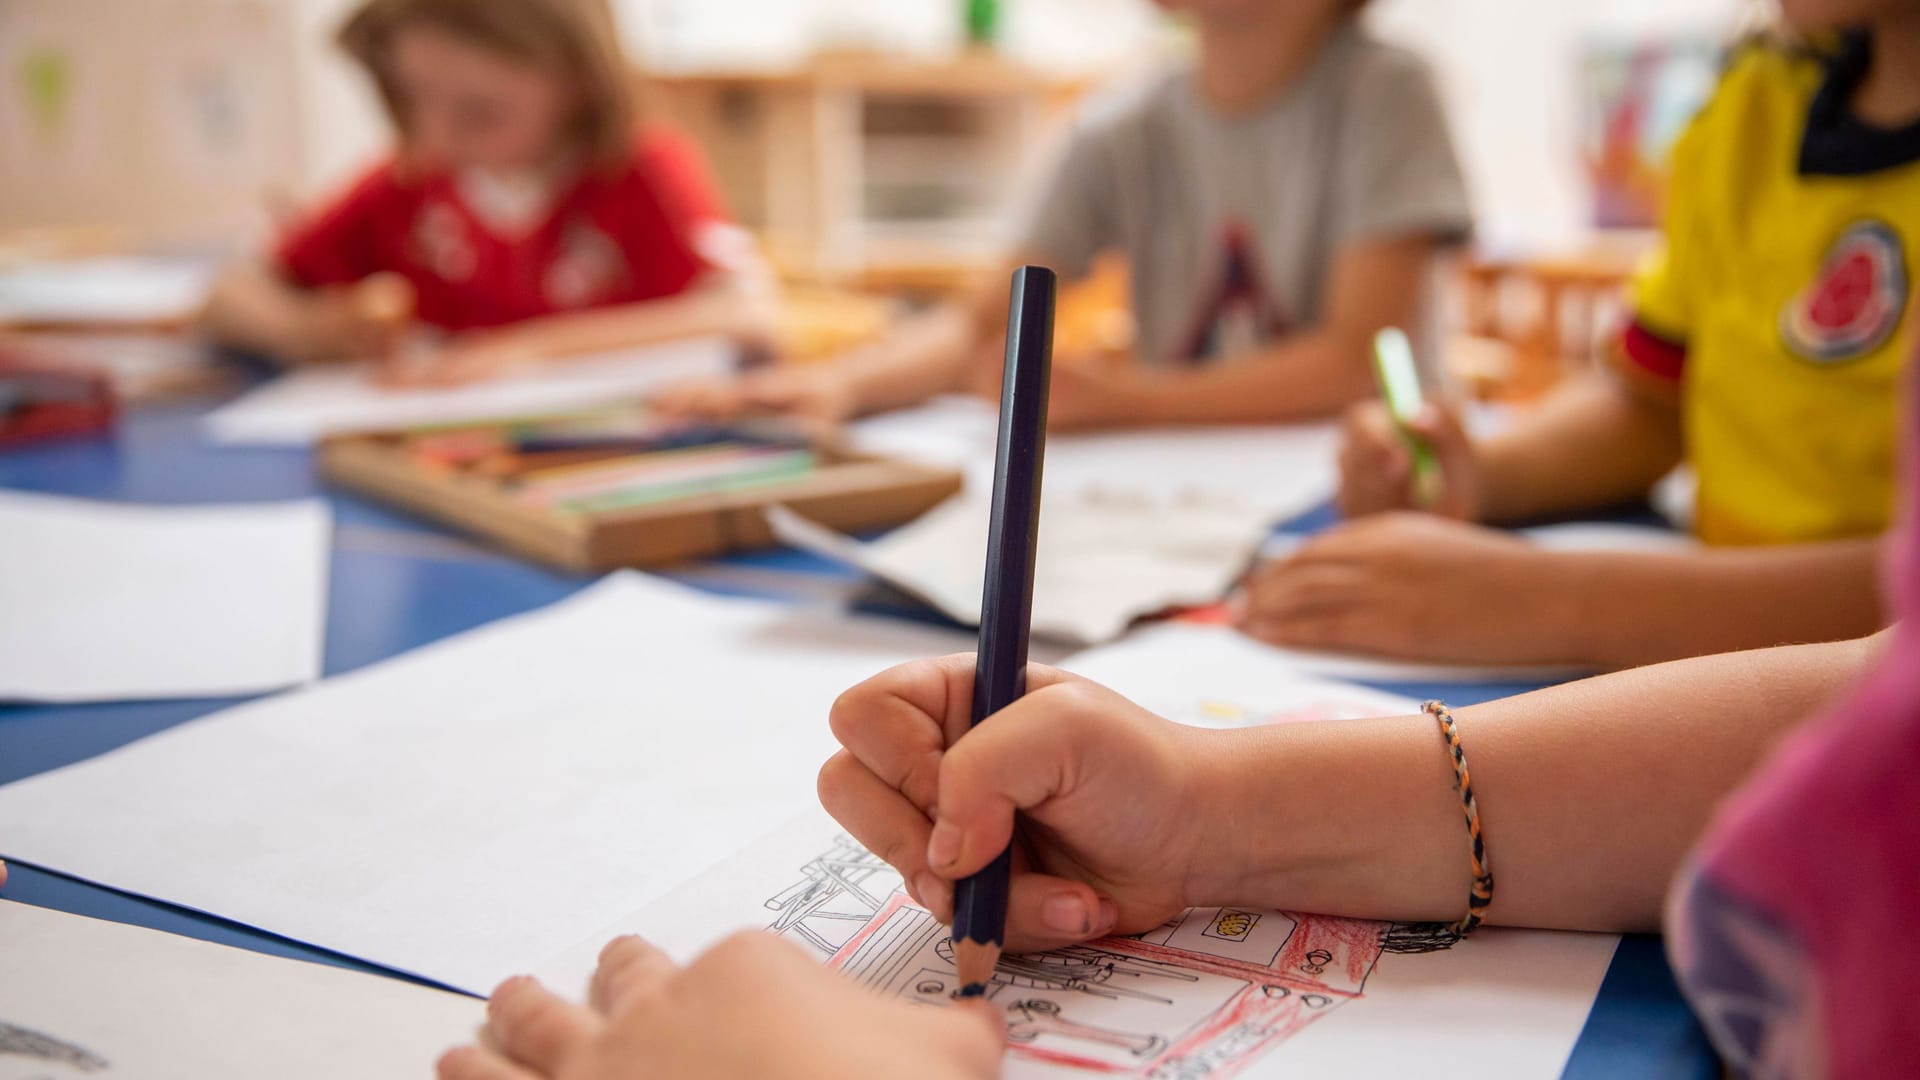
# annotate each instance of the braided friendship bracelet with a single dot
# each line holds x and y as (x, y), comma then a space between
(1432, 937)
(1482, 894)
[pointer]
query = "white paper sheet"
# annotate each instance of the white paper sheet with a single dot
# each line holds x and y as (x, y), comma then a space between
(1284, 469)
(83, 997)
(1572, 536)
(303, 406)
(1237, 989)
(107, 601)
(466, 809)
(1102, 561)
(106, 291)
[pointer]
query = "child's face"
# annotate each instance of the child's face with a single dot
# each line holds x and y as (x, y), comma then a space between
(1813, 16)
(470, 107)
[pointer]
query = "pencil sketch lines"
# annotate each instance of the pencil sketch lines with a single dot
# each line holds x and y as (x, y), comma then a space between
(17, 1041)
(1200, 996)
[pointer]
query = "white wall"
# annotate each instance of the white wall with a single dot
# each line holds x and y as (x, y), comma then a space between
(1507, 70)
(1506, 67)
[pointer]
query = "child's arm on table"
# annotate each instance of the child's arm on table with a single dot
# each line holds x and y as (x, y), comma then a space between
(733, 305)
(940, 350)
(1314, 373)
(1421, 587)
(1589, 793)
(253, 307)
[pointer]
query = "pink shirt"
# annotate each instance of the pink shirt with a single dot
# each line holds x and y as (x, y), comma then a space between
(1796, 930)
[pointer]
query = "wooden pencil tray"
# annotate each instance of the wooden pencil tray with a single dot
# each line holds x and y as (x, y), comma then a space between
(849, 492)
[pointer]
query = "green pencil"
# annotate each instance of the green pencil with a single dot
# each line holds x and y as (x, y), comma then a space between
(1399, 380)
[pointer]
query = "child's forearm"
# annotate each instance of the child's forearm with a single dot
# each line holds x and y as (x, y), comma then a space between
(1315, 374)
(1629, 609)
(1593, 442)
(1589, 794)
(728, 306)
(1319, 371)
(929, 353)
(250, 308)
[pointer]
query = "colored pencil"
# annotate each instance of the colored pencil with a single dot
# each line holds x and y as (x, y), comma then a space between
(1006, 609)
(1399, 380)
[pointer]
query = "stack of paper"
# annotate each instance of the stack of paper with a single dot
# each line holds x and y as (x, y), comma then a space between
(1102, 561)
(1132, 522)
(107, 601)
(304, 406)
(114, 291)
(469, 808)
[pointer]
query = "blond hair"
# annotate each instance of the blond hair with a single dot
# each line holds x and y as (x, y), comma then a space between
(573, 39)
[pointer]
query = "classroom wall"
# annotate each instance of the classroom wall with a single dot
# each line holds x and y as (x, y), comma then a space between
(165, 119)
(343, 125)
(1506, 68)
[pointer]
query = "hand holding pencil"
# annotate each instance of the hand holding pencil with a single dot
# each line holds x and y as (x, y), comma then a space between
(1118, 824)
(1407, 450)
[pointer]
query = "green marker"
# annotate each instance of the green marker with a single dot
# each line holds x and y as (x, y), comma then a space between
(1399, 380)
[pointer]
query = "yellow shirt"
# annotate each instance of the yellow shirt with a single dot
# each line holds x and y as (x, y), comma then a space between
(1779, 301)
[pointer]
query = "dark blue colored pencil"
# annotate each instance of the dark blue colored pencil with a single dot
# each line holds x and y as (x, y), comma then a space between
(1006, 608)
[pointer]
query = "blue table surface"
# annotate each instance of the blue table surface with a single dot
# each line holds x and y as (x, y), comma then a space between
(398, 582)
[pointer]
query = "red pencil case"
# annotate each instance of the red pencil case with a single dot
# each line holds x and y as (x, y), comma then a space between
(39, 402)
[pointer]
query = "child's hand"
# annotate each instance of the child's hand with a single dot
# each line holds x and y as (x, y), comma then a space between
(751, 1006)
(370, 318)
(1376, 468)
(814, 393)
(1085, 396)
(1419, 587)
(470, 359)
(1113, 833)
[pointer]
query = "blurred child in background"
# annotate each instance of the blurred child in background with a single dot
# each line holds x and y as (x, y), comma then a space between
(524, 213)
(1763, 351)
(1278, 200)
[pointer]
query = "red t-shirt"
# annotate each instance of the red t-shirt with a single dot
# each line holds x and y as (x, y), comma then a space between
(611, 238)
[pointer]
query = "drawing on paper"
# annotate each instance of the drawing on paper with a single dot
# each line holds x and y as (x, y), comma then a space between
(16, 1041)
(1203, 995)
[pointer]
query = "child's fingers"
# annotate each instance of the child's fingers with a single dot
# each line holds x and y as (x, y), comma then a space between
(535, 1027)
(774, 391)
(899, 722)
(1344, 628)
(1045, 912)
(1374, 462)
(1440, 426)
(975, 1031)
(475, 1063)
(629, 967)
(1292, 589)
(885, 823)
(1017, 761)
(715, 399)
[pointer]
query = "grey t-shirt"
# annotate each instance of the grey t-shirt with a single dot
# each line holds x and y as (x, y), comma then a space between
(1231, 224)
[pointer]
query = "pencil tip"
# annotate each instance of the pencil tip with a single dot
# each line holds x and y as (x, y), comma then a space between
(973, 964)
